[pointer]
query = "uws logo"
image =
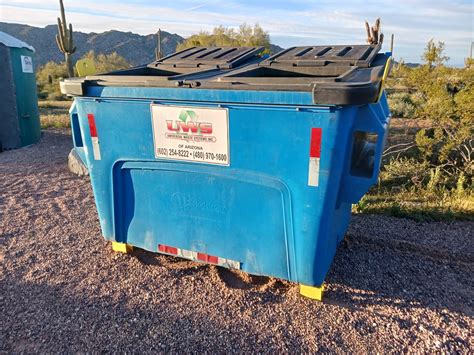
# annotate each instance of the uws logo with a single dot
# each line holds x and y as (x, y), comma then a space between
(187, 128)
(187, 123)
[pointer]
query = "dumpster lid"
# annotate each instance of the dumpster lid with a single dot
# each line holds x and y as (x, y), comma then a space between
(336, 75)
(340, 55)
(208, 57)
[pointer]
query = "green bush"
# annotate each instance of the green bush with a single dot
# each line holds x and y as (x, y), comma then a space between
(430, 173)
(444, 99)
(49, 75)
(405, 172)
(449, 107)
(402, 105)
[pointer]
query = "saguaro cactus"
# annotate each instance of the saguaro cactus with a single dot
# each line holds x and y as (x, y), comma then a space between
(374, 35)
(158, 52)
(65, 41)
(470, 61)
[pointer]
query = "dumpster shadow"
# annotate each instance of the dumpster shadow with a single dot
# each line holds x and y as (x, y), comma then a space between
(366, 272)
(183, 266)
(146, 257)
(232, 279)
(240, 280)
(57, 318)
(372, 274)
(267, 289)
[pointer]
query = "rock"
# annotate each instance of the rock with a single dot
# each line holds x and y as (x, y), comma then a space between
(76, 165)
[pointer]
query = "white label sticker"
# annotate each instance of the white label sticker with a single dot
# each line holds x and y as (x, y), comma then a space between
(191, 134)
(26, 64)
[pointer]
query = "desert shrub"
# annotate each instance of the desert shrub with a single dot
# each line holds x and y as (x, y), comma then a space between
(397, 74)
(405, 172)
(49, 75)
(402, 105)
(444, 98)
(435, 180)
(449, 106)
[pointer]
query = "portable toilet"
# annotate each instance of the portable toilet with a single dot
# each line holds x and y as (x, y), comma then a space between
(19, 115)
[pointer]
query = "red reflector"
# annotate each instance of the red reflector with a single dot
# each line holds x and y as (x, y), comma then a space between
(315, 150)
(208, 258)
(92, 127)
(192, 255)
(167, 249)
(212, 259)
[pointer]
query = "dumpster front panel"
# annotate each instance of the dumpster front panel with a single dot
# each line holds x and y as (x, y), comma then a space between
(259, 211)
(242, 217)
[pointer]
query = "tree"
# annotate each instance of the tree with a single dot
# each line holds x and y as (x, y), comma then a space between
(222, 36)
(434, 54)
(107, 62)
(47, 80)
(449, 145)
(443, 98)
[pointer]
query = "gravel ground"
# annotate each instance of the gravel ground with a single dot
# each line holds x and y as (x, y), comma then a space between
(395, 285)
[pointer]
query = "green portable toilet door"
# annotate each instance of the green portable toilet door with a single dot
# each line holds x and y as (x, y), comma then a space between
(26, 95)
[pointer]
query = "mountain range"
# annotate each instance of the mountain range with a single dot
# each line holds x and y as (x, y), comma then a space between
(135, 48)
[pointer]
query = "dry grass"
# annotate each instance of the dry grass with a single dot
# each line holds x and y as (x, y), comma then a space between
(418, 204)
(403, 130)
(54, 114)
(65, 104)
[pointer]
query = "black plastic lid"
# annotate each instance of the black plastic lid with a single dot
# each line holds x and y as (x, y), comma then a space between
(208, 57)
(350, 55)
(336, 75)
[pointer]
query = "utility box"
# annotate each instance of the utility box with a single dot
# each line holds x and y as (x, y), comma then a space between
(19, 115)
(220, 156)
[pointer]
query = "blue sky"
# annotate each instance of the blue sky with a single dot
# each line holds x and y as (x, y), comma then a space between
(300, 22)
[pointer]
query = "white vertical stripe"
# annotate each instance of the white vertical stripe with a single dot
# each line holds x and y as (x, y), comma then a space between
(188, 254)
(96, 148)
(228, 263)
(313, 173)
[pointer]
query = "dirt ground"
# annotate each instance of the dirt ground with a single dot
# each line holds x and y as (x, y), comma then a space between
(396, 285)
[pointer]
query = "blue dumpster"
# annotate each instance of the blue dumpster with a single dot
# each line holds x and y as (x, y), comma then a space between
(220, 156)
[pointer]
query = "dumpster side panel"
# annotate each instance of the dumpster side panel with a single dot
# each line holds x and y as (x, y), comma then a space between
(345, 183)
(317, 245)
(365, 149)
